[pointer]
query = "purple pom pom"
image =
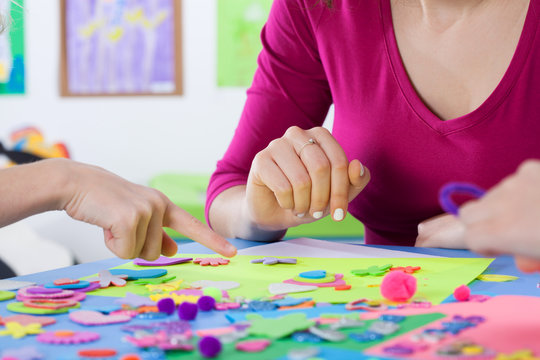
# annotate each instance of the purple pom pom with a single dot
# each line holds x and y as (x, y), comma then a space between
(209, 346)
(187, 311)
(206, 303)
(166, 305)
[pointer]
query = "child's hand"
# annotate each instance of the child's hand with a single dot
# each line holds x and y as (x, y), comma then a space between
(132, 216)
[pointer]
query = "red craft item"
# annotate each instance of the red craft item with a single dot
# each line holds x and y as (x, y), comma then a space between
(65, 281)
(97, 353)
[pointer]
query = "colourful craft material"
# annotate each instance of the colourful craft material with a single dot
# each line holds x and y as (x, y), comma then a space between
(106, 279)
(496, 277)
(373, 270)
(187, 311)
(206, 303)
(252, 345)
(68, 285)
(92, 318)
(274, 260)
(166, 305)
(398, 286)
(337, 282)
(223, 285)
(135, 300)
(97, 353)
(162, 261)
(276, 328)
(313, 274)
(18, 331)
(64, 337)
(28, 319)
(139, 274)
(213, 292)
(211, 261)
(19, 307)
(440, 276)
(210, 346)
(462, 293)
(508, 325)
(6, 295)
(65, 281)
(286, 288)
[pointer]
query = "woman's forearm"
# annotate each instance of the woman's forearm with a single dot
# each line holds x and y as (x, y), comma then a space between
(229, 217)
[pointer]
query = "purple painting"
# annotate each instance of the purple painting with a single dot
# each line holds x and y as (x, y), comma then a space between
(120, 46)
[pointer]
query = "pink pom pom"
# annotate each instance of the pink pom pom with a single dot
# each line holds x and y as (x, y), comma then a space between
(398, 286)
(462, 293)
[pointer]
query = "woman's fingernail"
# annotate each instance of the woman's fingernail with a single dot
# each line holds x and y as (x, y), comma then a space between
(301, 215)
(362, 170)
(338, 214)
(318, 214)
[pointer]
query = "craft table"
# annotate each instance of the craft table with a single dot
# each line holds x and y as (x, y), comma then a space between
(525, 285)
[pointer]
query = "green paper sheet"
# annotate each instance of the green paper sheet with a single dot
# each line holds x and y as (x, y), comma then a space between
(278, 349)
(437, 278)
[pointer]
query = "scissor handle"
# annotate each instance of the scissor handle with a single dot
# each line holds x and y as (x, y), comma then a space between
(445, 195)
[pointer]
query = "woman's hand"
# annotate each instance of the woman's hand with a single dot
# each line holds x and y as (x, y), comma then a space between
(300, 178)
(442, 231)
(507, 219)
(132, 216)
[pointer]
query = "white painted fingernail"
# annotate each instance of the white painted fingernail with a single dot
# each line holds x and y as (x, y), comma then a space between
(362, 171)
(301, 215)
(318, 214)
(338, 214)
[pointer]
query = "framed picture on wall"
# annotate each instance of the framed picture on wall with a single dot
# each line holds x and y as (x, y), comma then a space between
(121, 47)
(12, 58)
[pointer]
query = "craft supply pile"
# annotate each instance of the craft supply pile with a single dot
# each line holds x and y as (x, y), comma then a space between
(195, 307)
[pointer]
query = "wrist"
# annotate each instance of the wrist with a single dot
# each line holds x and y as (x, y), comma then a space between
(60, 184)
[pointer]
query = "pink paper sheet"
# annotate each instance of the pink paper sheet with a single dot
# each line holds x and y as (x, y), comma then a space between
(511, 324)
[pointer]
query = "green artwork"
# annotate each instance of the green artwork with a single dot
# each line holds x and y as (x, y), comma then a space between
(12, 48)
(437, 278)
(239, 27)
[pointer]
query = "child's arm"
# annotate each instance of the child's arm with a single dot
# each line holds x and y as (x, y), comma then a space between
(131, 215)
(506, 219)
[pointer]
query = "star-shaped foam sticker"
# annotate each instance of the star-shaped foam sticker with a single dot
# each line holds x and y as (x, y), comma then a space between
(24, 353)
(155, 281)
(211, 261)
(272, 260)
(277, 328)
(18, 331)
(372, 270)
(105, 279)
(135, 300)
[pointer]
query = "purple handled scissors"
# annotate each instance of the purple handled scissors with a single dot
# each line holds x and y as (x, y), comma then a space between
(445, 195)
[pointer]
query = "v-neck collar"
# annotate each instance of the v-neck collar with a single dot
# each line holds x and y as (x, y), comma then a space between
(488, 106)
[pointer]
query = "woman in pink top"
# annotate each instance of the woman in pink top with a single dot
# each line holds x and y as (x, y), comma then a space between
(425, 92)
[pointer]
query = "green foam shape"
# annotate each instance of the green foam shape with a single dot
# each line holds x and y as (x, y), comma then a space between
(6, 295)
(276, 328)
(19, 307)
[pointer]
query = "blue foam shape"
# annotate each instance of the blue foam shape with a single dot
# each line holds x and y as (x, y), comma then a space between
(105, 309)
(139, 274)
(81, 284)
(313, 274)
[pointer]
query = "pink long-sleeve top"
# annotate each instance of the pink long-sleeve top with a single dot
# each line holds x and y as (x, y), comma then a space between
(313, 57)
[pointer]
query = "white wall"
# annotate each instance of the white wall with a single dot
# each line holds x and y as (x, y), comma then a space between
(135, 137)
